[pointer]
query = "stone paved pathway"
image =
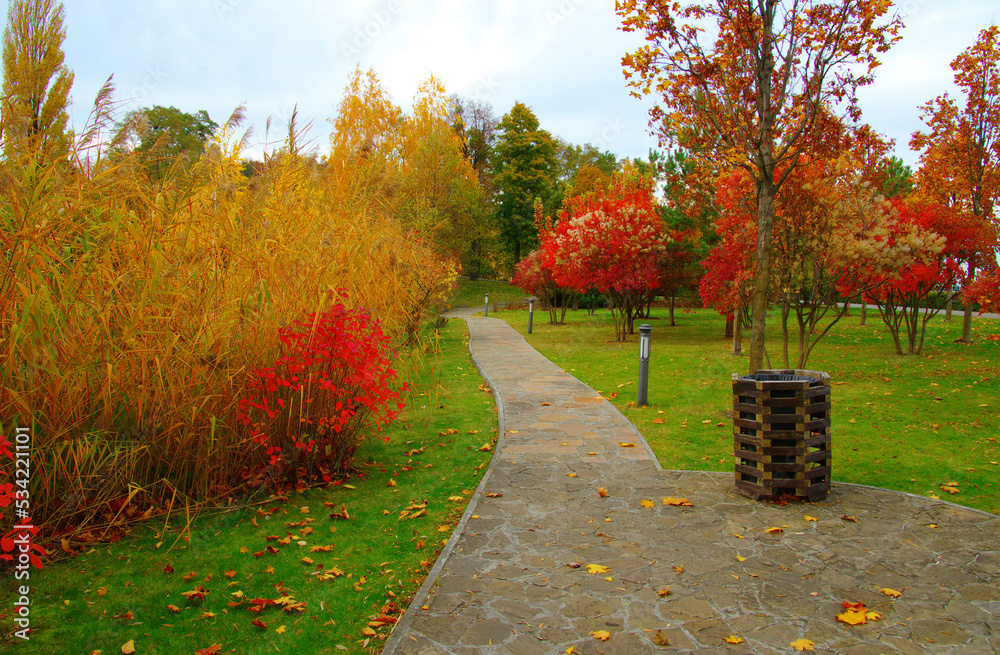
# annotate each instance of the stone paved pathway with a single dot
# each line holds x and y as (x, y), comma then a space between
(514, 578)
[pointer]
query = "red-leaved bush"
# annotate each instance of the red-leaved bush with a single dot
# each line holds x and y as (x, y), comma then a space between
(331, 389)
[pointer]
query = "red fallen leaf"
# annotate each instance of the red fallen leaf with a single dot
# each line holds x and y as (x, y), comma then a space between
(845, 517)
(173, 608)
(230, 573)
(199, 592)
(259, 553)
(190, 576)
(168, 569)
(272, 549)
(260, 624)
(342, 514)
(211, 650)
(124, 616)
(254, 521)
(271, 537)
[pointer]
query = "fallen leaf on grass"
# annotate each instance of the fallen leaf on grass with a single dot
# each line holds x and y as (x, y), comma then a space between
(211, 650)
(448, 432)
(342, 514)
(101, 591)
(391, 483)
(950, 487)
(733, 639)
(280, 630)
(200, 592)
(368, 632)
(594, 569)
(258, 623)
(658, 421)
(485, 448)
(803, 644)
(128, 647)
(602, 635)
(173, 608)
(230, 573)
(677, 502)
(602, 492)
(647, 503)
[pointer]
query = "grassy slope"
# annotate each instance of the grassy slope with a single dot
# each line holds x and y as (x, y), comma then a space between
(905, 423)
(473, 294)
(120, 592)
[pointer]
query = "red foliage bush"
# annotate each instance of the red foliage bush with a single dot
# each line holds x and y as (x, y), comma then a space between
(324, 396)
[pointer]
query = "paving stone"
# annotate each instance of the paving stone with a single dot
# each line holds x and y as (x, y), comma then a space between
(506, 581)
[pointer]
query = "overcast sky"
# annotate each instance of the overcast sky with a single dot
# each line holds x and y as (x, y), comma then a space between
(560, 57)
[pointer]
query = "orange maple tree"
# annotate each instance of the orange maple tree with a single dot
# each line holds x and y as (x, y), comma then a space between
(960, 162)
(744, 83)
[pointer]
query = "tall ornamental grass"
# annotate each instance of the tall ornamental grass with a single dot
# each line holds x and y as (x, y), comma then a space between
(134, 308)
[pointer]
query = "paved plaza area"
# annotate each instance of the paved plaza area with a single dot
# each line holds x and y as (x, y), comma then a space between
(541, 561)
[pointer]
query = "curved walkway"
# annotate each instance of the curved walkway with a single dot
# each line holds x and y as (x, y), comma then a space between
(514, 577)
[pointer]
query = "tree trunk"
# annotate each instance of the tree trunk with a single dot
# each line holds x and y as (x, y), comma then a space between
(673, 297)
(967, 317)
(729, 328)
(738, 337)
(864, 311)
(765, 225)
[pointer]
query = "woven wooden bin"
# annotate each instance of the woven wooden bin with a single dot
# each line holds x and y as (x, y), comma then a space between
(781, 434)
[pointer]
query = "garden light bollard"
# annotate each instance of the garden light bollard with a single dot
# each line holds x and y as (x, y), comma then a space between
(531, 313)
(644, 331)
(487, 312)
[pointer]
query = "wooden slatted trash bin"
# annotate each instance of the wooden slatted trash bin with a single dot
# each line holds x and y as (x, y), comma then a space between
(781, 434)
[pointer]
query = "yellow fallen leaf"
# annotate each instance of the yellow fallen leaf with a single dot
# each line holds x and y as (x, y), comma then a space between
(774, 530)
(740, 558)
(280, 629)
(128, 647)
(678, 502)
(891, 592)
(873, 616)
(546, 404)
(602, 635)
(610, 578)
(662, 593)
(679, 568)
(570, 650)
(733, 639)
(594, 569)
(485, 448)
(456, 499)
(391, 483)
(626, 445)
(950, 489)
(660, 639)
(602, 492)
(346, 486)
(707, 421)
(809, 518)
(368, 632)
(803, 644)
(853, 614)
(658, 421)
(571, 475)
(647, 503)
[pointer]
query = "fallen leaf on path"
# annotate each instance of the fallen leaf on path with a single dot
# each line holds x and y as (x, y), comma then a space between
(679, 569)
(677, 502)
(602, 635)
(774, 530)
(733, 639)
(626, 445)
(571, 475)
(663, 593)
(853, 614)
(660, 639)
(647, 503)
(602, 492)
(891, 592)
(740, 559)
(845, 517)
(803, 644)
(809, 518)
(594, 569)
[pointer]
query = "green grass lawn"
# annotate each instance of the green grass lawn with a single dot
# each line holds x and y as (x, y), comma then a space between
(473, 293)
(330, 577)
(905, 423)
